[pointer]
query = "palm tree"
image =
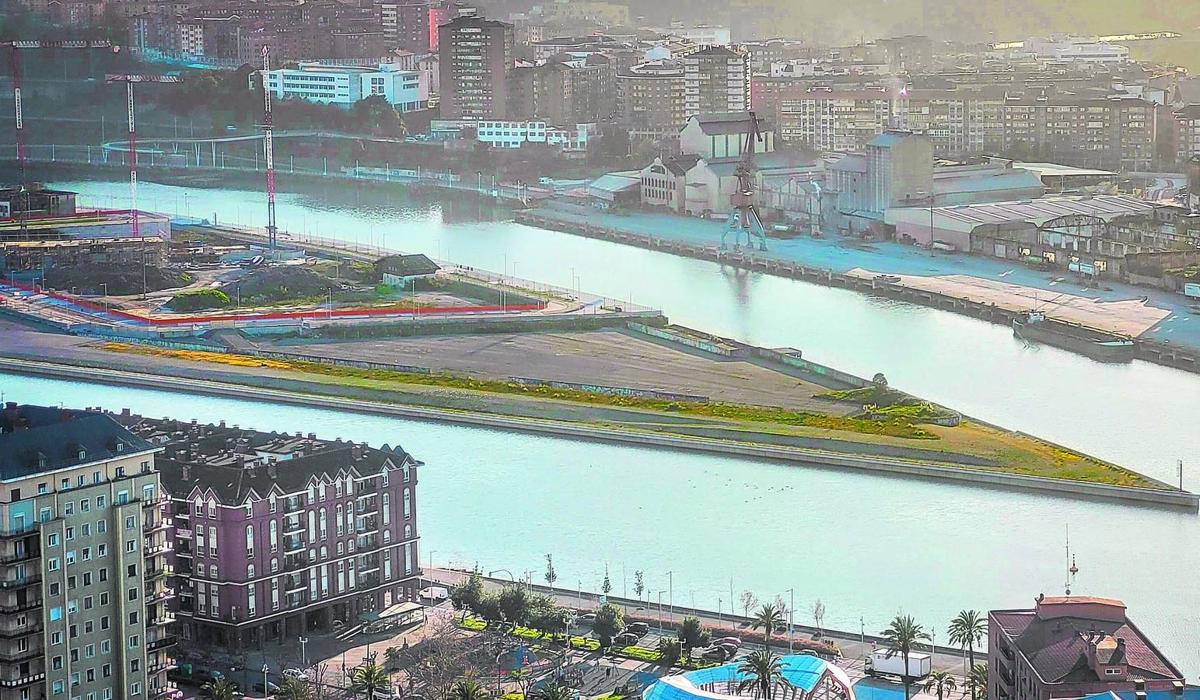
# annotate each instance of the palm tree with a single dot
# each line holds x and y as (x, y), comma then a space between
(370, 678)
(220, 689)
(763, 671)
(900, 637)
(553, 691)
(967, 630)
(940, 683)
(671, 650)
(977, 682)
(768, 617)
(294, 689)
(468, 689)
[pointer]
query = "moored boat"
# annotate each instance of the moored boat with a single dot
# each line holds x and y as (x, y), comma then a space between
(1096, 344)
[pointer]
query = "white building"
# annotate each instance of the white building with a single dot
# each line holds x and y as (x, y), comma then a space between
(407, 90)
(506, 134)
(1077, 49)
(701, 34)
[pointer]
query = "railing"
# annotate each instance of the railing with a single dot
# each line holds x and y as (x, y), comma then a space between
(19, 532)
(33, 626)
(21, 607)
(17, 656)
(16, 558)
(21, 582)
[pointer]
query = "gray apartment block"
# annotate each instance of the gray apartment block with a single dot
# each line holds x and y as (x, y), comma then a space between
(83, 542)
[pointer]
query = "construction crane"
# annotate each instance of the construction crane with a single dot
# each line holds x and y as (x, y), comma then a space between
(14, 63)
(130, 80)
(744, 224)
(269, 151)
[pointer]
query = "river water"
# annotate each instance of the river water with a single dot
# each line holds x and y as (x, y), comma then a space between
(866, 545)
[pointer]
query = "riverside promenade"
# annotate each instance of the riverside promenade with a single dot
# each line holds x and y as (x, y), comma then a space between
(997, 290)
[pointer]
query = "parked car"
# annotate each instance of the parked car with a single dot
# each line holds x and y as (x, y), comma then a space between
(735, 641)
(294, 673)
(586, 619)
(269, 688)
(625, 639)
(641, 629)
(716, 654)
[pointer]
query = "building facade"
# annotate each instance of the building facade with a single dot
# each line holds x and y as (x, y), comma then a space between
(1071, 647)
(82, 559)
(716, 79)
(277, 535)
(405, 24)
(475, 59)
(651, 99)
(406, 90)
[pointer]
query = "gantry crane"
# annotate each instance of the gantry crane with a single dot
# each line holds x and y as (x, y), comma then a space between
(744, 223)
(14, 63)
(269, 151)
(130, 80)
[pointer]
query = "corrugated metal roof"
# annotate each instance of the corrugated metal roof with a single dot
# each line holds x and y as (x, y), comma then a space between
(967, 217)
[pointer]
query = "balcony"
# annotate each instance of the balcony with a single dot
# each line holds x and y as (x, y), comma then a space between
(9, 608)
(292, 524)
(165, 619)
(162, 642)
(14, 632)
(367, 507)
(293, 544)
(13, 584)
(367, 523)
(183, 549)
(19, 532)
(295, 561)
(19, 557)
(159, 572)
(292, 504)
(295, 584)
(368, 541)
(19, 656)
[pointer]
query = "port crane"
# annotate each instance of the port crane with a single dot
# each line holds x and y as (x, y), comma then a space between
(744, 225)
(14, 63)
(130, 80)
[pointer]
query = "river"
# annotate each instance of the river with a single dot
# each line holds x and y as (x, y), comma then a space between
(866, 545)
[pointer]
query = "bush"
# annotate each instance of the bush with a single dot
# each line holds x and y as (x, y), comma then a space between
(199, 299)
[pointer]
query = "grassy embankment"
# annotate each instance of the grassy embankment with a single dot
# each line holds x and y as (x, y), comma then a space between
(1008, 452)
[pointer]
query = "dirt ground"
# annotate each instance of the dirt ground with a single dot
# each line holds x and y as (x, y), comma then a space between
(606, 357)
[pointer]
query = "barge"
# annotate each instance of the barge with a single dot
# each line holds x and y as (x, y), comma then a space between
(1096, 344)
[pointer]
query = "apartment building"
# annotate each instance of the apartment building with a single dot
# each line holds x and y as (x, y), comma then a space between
(405, 24)
(565, 90)
(650, 98)
(1073, 647)
(716, 79)
(475, 60)
(280, 534)
(835, 120)
(82, 559)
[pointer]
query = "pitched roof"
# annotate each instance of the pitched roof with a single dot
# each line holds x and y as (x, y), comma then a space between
(853, 163)
(1057, 648)
(407, 265)
(890, 138)
(39, 439)
(678, 165)
(725, 122)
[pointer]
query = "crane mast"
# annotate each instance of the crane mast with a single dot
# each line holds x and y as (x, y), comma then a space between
(269, 151)
(744, 224)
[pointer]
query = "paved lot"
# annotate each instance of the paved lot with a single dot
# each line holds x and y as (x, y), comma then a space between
(610, 358)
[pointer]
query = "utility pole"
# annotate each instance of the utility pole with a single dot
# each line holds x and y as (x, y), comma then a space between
(269, 151)
(129, 80)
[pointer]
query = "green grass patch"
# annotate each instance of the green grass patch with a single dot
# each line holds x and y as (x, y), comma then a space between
(473, 623)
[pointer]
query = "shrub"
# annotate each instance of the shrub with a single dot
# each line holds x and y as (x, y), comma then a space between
(199, 299)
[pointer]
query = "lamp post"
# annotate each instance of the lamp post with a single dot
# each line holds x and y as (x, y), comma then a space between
(660, 617)
(266, 688)
(431, 553)
(671, 593)
(791, 620)
(304, 651)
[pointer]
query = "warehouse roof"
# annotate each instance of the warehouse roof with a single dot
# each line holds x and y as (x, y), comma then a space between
(967, 217)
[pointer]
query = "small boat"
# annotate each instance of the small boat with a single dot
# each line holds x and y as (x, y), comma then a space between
(1195, 308)
(1096, 344)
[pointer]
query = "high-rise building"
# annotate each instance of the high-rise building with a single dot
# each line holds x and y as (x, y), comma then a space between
(83, 590)
(406, 24)
(716, 79)
(475, 59)
(277, 535)
(1074, 647)
(650, 99)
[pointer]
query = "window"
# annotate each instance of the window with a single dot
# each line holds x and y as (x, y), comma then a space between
(407, 502)
(58, 687)
(408, 532)
(212, 508)
(321, 525)
(212, 570)
(338, 519)
(133, 641)
(52, 564)
(249, 571)
(274, 565)
(85, 530)
(52, 540)
(101, 550)
(249, 511)
(85, 505)
(385, 477)
(70, 534)
(198, 509)
(100, 501)
(387, 508)
(212, 541)
(44, 515)
(249, 541)
(101, 525)
(273, 535)
(271, 501)
(133, 617)
(135, 688)
(70, 557)
(130, 545)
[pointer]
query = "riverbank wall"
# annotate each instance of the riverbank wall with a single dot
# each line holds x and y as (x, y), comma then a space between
(1149, 350)
(305, 394)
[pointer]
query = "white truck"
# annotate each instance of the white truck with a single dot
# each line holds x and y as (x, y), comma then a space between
(879, 664)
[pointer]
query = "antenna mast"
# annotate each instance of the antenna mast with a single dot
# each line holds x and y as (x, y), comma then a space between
(269, 151)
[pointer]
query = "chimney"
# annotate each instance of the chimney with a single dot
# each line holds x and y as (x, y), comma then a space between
(185, 473)
(222, 423)
(355, 452)
(272, 467)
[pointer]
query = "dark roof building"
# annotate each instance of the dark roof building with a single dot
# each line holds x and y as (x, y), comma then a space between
(1071, 647)
(36, 439)
(405, 267)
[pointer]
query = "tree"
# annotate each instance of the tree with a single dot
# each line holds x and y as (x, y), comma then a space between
(762, 671)
(514, 603)
(749, 600)
(292, 688)
(818, 613)
(966, 630)
(976, 684)
(544, 615)
(468, 689)
(692, 635)
(940, 683)
(639, 583)
(768, 617)
(523, 677)
(220, 689)
(901, 637)
(670, 649)
(467, 595)
(375, 115)
(551, 574)
(606, 584)
(446, 655)
(553, 691)
(609, 622)
(369, 679)
(392, 656)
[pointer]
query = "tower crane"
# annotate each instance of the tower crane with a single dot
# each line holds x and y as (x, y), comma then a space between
(130, 80)
(269, 151)
(14, 63)
(744, 224)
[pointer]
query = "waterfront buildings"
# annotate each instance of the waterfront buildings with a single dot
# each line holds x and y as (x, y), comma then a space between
(475, 59)
(565, 90)
(1071, 647)
(35, 200)
(651, 98)
(406, 90)
(83, 594)
(280, 534)
(716, 79)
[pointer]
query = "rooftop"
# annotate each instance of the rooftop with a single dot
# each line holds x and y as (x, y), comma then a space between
(1056, 636)
(407, 265)
(965, 217)
(40, 439)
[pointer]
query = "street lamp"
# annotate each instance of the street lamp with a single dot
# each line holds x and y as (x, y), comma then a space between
(266, 688)
(503, 571)
(791, 619)
(431, 553)
(671, 593)
(660, 618)
(304, 651)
